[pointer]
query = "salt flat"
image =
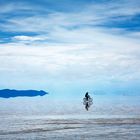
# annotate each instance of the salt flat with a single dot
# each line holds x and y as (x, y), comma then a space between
(41, 118)
(69, 128)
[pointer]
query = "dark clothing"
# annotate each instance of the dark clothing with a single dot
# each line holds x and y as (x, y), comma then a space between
(87, 96)
(87, 101)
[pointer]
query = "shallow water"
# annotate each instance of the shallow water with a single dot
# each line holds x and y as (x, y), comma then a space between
(42, 118)
(69, 128)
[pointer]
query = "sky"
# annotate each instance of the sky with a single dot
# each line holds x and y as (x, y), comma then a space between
(68, 47)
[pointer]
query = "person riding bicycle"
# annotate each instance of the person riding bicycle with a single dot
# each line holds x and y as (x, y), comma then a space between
(87, 101)
(87, 96)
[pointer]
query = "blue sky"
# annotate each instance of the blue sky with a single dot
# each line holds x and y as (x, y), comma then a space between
(68, 47)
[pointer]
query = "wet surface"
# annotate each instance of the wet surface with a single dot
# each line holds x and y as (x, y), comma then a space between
(44, 127)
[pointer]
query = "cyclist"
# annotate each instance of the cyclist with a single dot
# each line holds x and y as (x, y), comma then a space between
(87, 96)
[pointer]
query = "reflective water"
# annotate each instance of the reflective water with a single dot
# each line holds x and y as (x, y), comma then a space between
(65, 127)
(41, 118)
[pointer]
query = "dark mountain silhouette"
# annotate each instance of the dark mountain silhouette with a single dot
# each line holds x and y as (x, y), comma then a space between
(7, 93)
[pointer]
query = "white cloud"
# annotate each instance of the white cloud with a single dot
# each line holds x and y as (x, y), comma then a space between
(117, 61)
(90, 16)
(29, 38)
(78, 49)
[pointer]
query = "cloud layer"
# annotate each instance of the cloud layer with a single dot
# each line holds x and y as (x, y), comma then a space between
(89, 42)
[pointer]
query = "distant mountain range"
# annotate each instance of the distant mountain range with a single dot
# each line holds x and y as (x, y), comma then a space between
(7, 93)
